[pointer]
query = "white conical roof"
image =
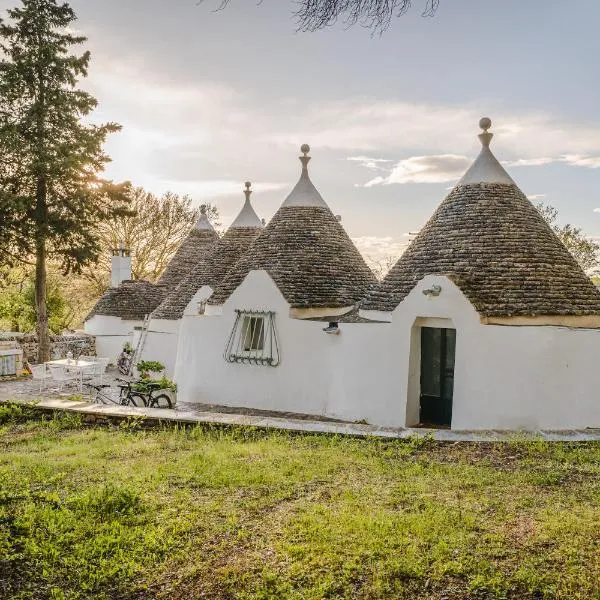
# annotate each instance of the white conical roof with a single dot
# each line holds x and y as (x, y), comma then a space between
(247, 216)
(486, 168)
(304, 192)
(203, 223)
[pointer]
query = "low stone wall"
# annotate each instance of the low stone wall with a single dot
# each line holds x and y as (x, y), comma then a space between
(77, 343)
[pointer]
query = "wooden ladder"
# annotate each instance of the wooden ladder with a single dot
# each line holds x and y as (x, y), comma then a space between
(139, 348)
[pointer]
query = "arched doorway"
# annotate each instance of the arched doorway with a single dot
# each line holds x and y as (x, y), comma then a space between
(431, 373)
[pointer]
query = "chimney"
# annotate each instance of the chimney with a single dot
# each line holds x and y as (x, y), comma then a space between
(120, 266)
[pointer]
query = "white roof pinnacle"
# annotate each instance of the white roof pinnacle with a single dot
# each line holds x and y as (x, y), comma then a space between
(203, 223)
(304, 192)
(486, 168)
(247, 216)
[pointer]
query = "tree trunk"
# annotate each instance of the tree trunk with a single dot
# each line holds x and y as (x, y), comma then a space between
(41, 307)
(43, 333)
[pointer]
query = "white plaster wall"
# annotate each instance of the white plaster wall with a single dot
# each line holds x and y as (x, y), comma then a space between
(111, 334)
(308, 380)
(506, 377)
(161, 343)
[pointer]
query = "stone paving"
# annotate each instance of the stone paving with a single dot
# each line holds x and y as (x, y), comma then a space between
(27, 391)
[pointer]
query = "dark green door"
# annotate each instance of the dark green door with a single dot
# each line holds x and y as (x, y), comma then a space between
(438, 348)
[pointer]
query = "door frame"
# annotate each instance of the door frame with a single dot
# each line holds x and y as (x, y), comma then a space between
(413, 393)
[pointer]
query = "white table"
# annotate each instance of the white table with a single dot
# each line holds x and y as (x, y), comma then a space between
(75, 365)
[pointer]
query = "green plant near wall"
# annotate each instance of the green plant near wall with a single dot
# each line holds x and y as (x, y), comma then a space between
(146, 383)
(149, 366)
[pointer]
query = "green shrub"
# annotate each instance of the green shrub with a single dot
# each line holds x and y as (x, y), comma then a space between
(150, 366)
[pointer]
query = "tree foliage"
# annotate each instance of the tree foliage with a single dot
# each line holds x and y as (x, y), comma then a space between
(376, 15)
(153, 230)
(585, 251)
(17, 301)
(50, 154)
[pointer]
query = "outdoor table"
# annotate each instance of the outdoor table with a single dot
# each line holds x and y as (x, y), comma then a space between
(73, 365)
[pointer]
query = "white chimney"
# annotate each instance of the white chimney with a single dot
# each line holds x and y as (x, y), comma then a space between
(120, 266)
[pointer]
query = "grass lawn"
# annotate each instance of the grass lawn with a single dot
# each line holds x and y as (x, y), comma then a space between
(213, 512)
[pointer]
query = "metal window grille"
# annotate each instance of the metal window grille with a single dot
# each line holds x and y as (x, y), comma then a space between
(253, 339)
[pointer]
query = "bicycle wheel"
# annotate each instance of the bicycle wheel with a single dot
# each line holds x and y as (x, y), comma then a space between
(162, 401)
(137, 400)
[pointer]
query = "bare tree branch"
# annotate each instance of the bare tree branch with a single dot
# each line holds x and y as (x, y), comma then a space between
(376, 15)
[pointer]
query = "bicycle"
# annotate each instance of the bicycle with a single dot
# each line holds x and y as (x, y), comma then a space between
(127, 396)
(130, 396)
(151, 400)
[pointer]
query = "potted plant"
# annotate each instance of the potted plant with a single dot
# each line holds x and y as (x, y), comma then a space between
(158, 386)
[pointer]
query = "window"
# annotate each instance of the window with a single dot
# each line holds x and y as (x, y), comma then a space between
(253, 331)
(253, 339)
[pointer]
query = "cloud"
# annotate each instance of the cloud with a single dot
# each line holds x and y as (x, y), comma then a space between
(366, 125)
(575, 160)
(207, 189)
(376, 248)
(536, 196)
(436, 168)
(441, 168)
(529, 162)
(591, 162)
(596, 210)
(375, 164)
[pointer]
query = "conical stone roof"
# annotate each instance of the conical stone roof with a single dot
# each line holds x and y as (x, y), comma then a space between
(306, 252)
(131, 301)
(134, 299)
(216, 263)
(493, 243)
(197, 243)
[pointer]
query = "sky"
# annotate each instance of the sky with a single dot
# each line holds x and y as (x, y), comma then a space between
(209, 99)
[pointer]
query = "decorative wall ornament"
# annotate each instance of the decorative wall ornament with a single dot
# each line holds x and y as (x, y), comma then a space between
(434, 290)
(332, 328)
(253, 339)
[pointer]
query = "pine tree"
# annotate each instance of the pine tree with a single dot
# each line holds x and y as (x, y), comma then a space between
(50, 158)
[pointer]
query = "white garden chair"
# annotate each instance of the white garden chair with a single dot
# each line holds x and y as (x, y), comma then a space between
(40, 373)
(62, 377)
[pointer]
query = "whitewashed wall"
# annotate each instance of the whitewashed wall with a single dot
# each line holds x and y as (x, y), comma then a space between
(111, 334)
(505, 377)
(161, 343)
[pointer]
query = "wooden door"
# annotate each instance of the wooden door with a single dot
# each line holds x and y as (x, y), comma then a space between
(438, 347)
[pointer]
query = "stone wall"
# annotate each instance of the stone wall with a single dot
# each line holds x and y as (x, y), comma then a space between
(77, 343)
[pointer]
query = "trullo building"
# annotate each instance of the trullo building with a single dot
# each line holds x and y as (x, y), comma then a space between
(260, 341)
(119, 314)
(493, 324)
(188, 298)
(486, 321)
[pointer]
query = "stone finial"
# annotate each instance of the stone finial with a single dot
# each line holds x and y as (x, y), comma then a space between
(203, 209)
(486, 137)
(305, 159)
(248, 191)
(485, 123)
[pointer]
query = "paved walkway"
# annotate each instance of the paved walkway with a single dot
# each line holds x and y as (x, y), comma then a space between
(27, 391)
(186, 414)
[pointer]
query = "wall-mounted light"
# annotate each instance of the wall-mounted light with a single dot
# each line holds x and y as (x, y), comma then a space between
(434, 290)
(332, 328)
